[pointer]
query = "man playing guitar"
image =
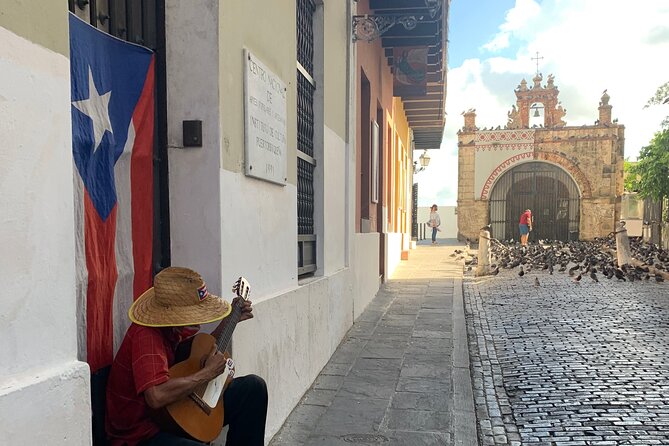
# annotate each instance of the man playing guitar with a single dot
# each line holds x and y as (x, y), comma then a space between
(140, 383)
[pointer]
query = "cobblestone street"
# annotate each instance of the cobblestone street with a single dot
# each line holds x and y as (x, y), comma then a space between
(568, 364)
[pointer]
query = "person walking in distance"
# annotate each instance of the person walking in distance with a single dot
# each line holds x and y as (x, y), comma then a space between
(525, 226)
(434, 223)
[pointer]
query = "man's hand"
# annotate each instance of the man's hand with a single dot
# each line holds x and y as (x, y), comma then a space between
(214, 364)
(175, 389)
(247, 309)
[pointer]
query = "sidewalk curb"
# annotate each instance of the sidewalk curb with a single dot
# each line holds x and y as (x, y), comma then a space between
(464, 415)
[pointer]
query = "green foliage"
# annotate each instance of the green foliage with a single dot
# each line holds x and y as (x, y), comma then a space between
(649, 176)
(628, 178)
(660, 97)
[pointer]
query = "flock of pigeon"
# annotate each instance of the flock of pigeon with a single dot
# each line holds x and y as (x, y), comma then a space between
(581, 260)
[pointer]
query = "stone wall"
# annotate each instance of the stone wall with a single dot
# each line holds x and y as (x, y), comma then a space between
(472, 216)
(592, 155)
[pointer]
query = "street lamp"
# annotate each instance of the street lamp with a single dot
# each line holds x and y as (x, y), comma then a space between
(424, 160)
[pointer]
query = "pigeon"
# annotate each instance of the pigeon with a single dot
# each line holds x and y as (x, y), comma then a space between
(521, 273)
(593, 276)
(536, 281)
(577, 279)
(659, 278)
(619, 274)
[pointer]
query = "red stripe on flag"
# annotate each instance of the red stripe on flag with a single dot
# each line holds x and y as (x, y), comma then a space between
(99, 239)
(141, 183)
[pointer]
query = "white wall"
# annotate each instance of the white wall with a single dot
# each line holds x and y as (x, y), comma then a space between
(291, 338)
(449, 221)
(41, 383)
(225, 224)
(334, 212)
(496, 152)
(393, 252)
(258, 234)
(365, 270)
(192, 87)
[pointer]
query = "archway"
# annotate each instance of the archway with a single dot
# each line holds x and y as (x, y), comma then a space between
(546, 189)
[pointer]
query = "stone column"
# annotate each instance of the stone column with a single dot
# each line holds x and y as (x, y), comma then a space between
(605, 110)
(470, 121)
(623, 251)
(484, 256)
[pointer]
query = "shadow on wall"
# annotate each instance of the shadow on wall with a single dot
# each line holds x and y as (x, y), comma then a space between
(449, 221)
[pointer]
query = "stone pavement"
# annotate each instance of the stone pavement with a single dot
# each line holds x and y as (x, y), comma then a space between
(401, 375)
(569, 364)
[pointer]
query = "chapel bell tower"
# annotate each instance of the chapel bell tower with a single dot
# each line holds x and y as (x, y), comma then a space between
(531, 100)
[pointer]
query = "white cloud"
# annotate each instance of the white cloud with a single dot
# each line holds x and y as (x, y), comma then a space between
(517, 18)
(499, 42)
(589, 46)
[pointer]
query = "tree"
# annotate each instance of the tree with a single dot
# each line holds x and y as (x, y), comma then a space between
(660, 97)
(649, 176)
(629, 184)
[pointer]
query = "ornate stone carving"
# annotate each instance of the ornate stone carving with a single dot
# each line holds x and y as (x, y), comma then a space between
(514, 121)
(559, 114)
(537, 80)
(470, 120)
(605, 99)
(550, 81)
(522, 86)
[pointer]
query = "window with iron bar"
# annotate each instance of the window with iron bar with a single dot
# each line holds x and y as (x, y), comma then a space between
(306, 163)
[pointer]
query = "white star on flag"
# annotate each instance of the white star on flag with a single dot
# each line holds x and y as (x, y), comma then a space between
(96, 107)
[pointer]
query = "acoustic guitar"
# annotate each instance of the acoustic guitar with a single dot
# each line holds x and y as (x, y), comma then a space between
(200, 415)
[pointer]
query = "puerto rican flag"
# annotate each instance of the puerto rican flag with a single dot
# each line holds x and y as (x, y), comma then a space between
(112, 147)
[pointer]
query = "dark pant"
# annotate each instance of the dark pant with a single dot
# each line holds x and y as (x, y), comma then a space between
(245, 404)
(434, 234)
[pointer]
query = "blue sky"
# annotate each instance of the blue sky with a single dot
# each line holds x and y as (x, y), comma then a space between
(588, 45)
(470, 29)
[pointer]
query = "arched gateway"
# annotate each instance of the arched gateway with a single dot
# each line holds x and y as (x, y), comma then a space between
(546, 189)
(570, 176)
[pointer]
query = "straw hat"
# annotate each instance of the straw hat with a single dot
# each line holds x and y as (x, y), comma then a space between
(179, 297)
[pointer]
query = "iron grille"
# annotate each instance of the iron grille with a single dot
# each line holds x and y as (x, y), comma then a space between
(548, 191)
(305, 197)
(305, 115)
(305, 34)
(414, 210)
(306, 239)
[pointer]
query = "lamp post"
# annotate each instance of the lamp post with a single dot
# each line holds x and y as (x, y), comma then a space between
(424, 161)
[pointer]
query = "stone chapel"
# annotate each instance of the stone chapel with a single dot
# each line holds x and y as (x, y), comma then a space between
(571, 177)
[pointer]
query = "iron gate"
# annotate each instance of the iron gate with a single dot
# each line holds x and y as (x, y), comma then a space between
(548, 191)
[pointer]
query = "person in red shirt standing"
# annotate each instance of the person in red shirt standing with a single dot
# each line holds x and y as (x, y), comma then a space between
(139, 381)
(525, 226)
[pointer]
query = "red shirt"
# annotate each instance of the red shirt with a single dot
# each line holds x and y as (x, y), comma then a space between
(143, 361)
(525, 218)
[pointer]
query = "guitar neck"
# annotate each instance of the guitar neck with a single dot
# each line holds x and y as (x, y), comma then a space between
(224, 338)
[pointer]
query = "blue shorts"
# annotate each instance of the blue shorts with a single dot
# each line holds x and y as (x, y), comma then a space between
(524, 230)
